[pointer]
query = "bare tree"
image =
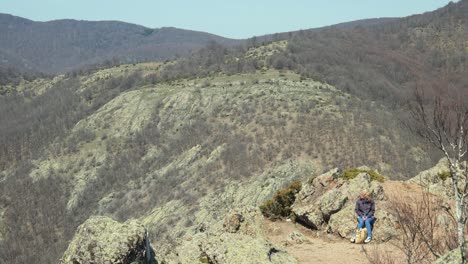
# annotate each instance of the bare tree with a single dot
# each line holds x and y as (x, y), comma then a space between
(422, 238)
(377, 255)
(444, 123)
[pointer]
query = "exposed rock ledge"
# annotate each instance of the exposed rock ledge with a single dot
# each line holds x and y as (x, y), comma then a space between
(103, 240)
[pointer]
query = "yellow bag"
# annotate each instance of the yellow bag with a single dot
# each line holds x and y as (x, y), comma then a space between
(361, 235)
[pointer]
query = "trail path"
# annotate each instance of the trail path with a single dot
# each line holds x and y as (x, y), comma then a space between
(321, 248)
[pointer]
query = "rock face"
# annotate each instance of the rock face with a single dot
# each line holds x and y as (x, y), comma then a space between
(327, 203)
(223, 211)
(103, 240)
(237, 239)
(431, 180)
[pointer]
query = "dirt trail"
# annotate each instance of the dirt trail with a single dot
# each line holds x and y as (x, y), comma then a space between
(318, 247)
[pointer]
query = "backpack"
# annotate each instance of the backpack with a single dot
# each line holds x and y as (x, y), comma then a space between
(361, 235)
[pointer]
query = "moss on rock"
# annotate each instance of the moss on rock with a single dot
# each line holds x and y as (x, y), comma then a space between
(349, 174)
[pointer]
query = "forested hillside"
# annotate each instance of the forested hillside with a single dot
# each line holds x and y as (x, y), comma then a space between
(114, 143)
(380, 60)
(64, 45)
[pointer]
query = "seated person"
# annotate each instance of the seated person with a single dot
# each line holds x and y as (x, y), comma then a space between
(365, 208)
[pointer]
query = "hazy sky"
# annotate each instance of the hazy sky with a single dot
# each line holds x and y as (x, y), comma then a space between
(235, 19)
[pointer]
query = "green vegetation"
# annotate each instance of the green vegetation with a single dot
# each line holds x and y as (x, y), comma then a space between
(280, 205)
(349, 174)
(443, 175)
(204, 258)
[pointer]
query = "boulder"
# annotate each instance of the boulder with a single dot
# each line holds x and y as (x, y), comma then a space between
(362, 181)
(327, 203)
(318, 199)
(231, 248)
(103, 240)
(331, 202)
(344, 222)
(385, 228)
(309, 216)
(296, 238)
(431, 181)
(218, 244)
(233, 222)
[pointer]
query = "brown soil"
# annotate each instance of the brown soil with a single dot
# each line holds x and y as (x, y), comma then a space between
(320, 247)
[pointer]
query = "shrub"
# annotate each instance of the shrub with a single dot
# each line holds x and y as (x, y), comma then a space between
(280, 205)
(443, 175)
(349, 174)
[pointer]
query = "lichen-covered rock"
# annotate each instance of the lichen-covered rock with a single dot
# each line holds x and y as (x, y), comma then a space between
(344, 222)
(309, 207)
(310, 217)
(215, 244)
(232, 248)
(327, 203)
(362, 181)
(385, 225)
(452, 257)
(331, 202)
(296, 238)
(432, 181)
(233, 222)
(103, 240)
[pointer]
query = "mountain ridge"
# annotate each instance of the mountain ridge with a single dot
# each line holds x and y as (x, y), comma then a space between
(60, 46)
(67, 44)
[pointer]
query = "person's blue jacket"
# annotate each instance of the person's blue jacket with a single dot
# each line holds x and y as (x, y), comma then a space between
(365, 207)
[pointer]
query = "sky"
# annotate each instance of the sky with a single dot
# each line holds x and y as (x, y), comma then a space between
(233, 19)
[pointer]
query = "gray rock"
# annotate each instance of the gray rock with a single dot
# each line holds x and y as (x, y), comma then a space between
(430, 180)
(218, 245)
(344, 222)
(331, 202)
(310, 217)
(362, 181)
(318, 199)
(452, 257)
(233, 222)
(296, 238)
(103, 240)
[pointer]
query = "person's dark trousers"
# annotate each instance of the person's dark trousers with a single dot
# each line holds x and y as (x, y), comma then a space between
(367, 223)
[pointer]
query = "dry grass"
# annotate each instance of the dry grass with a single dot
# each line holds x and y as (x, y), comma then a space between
(426, 228)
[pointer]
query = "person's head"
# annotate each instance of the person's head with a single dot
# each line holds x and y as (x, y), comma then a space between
(365, 194)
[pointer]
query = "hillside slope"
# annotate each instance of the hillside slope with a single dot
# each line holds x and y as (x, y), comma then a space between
(174, 155)
(385, 61)
(64, 45)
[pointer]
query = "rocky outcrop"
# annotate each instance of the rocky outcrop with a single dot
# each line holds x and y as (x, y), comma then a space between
(103, 240)
(436, 180)
(232, 248)
(237, 239)
(327, 203)
(215, 208)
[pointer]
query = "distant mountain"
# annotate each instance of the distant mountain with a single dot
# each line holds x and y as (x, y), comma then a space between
(64, 45)
(384, 59)
(377, 59)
